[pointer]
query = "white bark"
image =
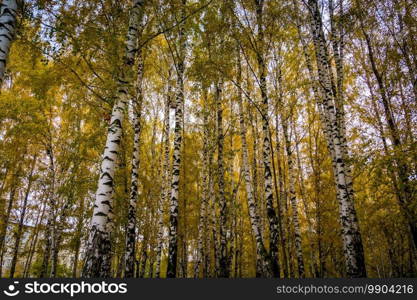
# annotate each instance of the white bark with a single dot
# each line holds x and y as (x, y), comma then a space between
(223, 272)
(98, 254)
(8, 10)
(130, 255)
(293, 201)
(165, 186)
(352, 242)
(266, 146)
(264, 267)
(173, 226)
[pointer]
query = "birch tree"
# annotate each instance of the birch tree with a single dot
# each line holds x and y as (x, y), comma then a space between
(165, 196)
(352, 241)
(8, 13)
(179, 102)
(266, 144)
(98, 253)
(265, 268)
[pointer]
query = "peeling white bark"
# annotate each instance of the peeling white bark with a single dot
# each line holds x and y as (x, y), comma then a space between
(8, 10)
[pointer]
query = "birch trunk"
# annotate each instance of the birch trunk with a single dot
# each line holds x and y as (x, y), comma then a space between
(266, 146)
(223, 272)
(404, 186)
(5, 222)
(265, 267)
(178, 132)
(165, 186)
(282, 199)
(352, 241)
(307, 212)
(19, 232)
(8, 11)
(130, 255)
(204, 197)
(98, 252)
(58, 236)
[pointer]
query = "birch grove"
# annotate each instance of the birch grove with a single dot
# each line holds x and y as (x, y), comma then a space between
(208, 139)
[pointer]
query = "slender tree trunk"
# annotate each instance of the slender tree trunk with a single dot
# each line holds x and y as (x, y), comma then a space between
(352, 241)
(204, 196)
(58, 236)
(265, 268)
(281, 198)
(19, 232)
(325, 124)
(98, 252)
(50, 232)
(293, 200)
(255, 164)
(405, 195)
(178, 132)
(144, 260)
(165, 186)
(8, 11)
(79, 236)
(173, 221)
(3, 202)
(266, 146)
(213, 237)
(223, 272)
(131, 222)
(213, 221)
(60, 226)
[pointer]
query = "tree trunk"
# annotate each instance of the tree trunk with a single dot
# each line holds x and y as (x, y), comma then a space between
(98, 252)
(223, 271)
(293, 200)
(58, 236)
(282, 199)
(131, 222)
(266, 146)
(352, 241)
(265, 268)
(3, 233)
(173, 221)
(405, 195)
(34, 241)
(178, 132)
(165, 186)
(204, 195)
(8, 11)
(19, 232)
